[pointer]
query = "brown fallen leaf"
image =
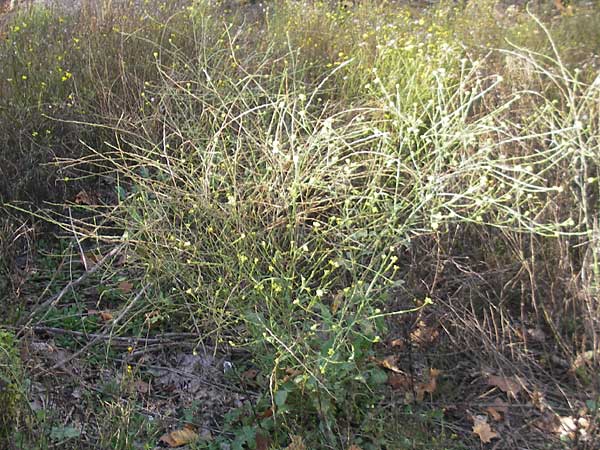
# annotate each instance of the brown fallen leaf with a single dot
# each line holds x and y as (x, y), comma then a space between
(510, 385)
(142, 387)
(497, 409)
(122, 260)
(398, 343)
(296, 444)
(291, 373)
(90, 259)
(482, 429)
(424, 335)
(178, 438)
(125, 287)
(399, 381)
(538, 401)
(266, 413)
(263, 442)
(548, 422)
(249, 374)
(389, 362)
(105, 316)
(86, 198)
(566, 427)
(354, 447)
(337, 301)
(428, 387)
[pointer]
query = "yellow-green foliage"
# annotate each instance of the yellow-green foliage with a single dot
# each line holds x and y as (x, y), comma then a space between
(272, 172)
(11, 389)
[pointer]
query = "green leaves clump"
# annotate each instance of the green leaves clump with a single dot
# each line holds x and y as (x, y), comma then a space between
(11, 387)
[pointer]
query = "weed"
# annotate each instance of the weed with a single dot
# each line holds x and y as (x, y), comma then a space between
(299, 179)
(12, 390)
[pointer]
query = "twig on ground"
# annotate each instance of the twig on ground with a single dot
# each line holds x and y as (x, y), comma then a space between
(53, 301)
(104, 334)
(121, 340)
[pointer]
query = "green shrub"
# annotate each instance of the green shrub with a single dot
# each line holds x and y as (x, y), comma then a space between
(12, 396)
(269, 177)
(275, 219)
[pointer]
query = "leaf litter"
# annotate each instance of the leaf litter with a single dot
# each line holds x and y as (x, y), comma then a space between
(483, 429)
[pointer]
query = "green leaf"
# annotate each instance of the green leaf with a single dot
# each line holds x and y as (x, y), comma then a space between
(281, 397)
(592, 405)
(377, 376)
(122, 194)
(62, 433)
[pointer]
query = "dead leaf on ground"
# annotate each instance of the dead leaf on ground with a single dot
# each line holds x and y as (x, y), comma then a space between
(105, 316)
(178, 438)
(538, 401)
(398, 343)
(399, 381)
(263, 442)
(337, 301)
(142, 387)
(510, 385)
(584, 358)
(125, 287)
(583, 423)
(567, 427)
(249, 374)
(266, 413)
(428, 387)
(86, 198)
(497, 410)
(354, 447)
(424, 335)
(90, 259)
(482, 429)
(291, 373)
(547, 422)
(389, 362)
(296, 444)
(121, 260)
(41, 347)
